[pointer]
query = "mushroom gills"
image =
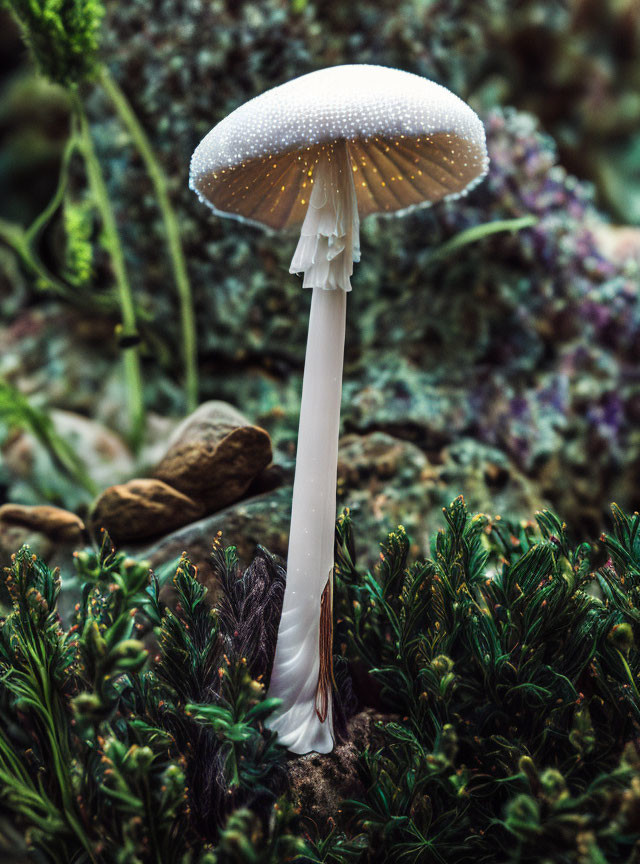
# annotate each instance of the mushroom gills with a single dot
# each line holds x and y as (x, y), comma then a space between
(329, 241)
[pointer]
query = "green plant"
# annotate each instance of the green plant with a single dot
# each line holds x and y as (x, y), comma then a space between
(16, 412)
(507, 690)
(160, 184)
(63, 36)
(245, 840)
(104, 755)
(515, 686)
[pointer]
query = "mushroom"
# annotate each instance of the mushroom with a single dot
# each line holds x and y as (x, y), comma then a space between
(321, 152)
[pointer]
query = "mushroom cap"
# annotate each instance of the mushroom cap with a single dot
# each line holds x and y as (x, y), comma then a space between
(411, 142)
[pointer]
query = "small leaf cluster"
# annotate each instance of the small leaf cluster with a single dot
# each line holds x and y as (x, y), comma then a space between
(78, 221)
(246, 840)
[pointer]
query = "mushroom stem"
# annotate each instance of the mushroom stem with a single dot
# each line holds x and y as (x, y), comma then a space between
(301, 677)
(296, 667)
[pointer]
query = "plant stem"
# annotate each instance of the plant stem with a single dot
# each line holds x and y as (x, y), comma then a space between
(41, 220)
(478, 232)
(131, 353)
(176, 253)
(15, 237)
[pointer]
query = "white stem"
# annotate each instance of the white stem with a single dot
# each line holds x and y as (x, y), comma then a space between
(326, 251)
(294, 678)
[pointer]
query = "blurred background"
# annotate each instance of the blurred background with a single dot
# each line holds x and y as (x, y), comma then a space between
(505, 369)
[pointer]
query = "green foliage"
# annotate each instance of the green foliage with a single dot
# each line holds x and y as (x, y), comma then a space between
(16, 412)
(479, 232)
(107, 648)
(550, 823)
(248, 753)
(63, 36)
(515, 686)
(110, 755)
(189, 640)
(335, 847)
(244, 839)
(506, 667)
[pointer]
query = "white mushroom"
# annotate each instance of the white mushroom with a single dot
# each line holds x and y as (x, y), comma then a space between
(321, 152)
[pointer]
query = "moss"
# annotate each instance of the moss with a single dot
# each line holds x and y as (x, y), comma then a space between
(63, 37)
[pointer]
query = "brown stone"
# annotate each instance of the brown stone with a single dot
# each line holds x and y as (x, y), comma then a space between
(214, 455)
(361, 457)
(53, 521)
(141, 509)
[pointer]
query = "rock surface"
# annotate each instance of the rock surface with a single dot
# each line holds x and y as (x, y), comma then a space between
(50, 532)
(53, 521)
(12, 537)
(34, 477)
(214, 455)
(141, 509)
(386, 481)
(261, 520)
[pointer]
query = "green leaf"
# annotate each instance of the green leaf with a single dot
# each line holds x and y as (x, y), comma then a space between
(16, 412)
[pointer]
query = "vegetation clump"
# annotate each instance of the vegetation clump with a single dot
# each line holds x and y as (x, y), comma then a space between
(107, 754)
(503, 670)
(64, 41)
(513, 664)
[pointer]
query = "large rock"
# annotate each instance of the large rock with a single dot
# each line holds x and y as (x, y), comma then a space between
(141, 509)
(214, 455)
(386, 481)
(261, 520)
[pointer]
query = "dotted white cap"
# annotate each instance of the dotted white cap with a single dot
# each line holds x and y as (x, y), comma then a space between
(411, 142)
